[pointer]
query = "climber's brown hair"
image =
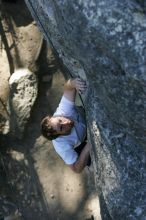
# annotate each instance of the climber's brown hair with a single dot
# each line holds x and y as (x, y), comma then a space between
(47, 129)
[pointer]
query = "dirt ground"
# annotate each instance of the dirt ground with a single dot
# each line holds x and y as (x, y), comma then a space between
(35, 183)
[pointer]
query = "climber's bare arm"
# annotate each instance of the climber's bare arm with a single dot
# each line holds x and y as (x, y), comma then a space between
(73, 85)
(81, 162)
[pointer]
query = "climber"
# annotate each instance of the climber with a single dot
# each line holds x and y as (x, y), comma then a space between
(67, 128)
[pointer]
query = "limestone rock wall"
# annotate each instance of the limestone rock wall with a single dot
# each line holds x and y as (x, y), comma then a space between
(104, 42)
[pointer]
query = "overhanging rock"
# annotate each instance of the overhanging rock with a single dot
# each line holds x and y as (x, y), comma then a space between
(104, 43)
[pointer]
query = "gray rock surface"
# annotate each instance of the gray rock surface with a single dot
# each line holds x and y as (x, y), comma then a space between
(23, 93)
(104, 43)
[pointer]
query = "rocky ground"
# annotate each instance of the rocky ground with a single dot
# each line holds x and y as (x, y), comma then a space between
(35, 183)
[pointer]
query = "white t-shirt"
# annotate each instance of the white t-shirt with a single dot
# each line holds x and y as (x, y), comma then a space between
(64, 145)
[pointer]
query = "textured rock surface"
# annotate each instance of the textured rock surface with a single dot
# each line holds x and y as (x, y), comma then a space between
(23, 93)
(104, 43)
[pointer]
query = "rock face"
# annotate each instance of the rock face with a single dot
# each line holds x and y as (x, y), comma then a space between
(23, 93)
(104, 42)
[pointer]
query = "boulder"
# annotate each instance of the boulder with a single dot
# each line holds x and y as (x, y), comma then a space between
(104, 42)
(23, 93)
